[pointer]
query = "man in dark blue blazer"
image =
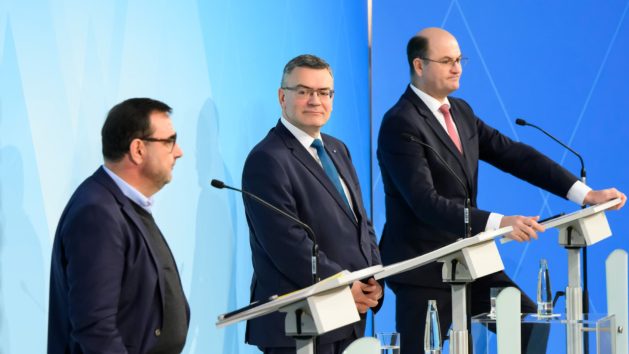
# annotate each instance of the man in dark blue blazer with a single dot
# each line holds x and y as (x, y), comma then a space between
(288, 169)
(114, 285)
(424, 200)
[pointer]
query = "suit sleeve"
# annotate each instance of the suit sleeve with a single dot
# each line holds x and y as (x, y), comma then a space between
(522, 161)
(283, 242)
(94, 245)
(409, 169)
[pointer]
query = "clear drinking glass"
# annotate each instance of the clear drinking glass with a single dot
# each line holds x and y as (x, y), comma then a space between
(389, 342)
(493, 294)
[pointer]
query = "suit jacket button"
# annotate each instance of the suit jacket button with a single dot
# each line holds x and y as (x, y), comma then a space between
(158, 332)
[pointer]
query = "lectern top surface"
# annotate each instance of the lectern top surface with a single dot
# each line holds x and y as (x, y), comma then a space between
(404, 266)
(251, 311)
(575, 215)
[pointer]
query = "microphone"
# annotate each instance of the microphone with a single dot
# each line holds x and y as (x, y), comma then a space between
(585, 299)
(315, 246)
(467, 204)
(522, 122)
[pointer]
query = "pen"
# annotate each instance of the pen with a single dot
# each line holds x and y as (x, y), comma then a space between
(248, 307)
(551, 218)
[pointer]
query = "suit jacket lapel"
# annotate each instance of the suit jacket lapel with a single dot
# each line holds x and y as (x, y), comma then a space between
(309, 162)
(127, 208)
(441, 133)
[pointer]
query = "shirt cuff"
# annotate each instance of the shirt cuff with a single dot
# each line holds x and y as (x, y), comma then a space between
(493, 222)
(577, 192)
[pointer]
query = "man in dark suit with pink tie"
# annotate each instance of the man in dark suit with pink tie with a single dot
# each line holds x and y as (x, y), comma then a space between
(425, 201)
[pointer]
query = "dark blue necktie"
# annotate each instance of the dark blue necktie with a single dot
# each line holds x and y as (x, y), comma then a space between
(329, 168)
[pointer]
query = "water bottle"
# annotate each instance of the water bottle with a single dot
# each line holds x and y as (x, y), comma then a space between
(432, 331)
(544, 292)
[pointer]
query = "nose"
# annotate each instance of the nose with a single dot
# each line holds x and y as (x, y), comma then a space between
(314, 99)
(456, 67)
(177, 152)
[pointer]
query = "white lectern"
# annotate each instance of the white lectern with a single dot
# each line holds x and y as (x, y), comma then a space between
(311, 311)
(464, 261)
(579, 229)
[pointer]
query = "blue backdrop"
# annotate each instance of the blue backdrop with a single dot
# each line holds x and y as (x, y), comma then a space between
(559, 65)
(63, 64)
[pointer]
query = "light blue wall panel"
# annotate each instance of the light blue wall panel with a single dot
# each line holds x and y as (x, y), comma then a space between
(64, 63)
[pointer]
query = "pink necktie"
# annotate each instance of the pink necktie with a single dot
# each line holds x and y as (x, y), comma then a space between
(445, 109)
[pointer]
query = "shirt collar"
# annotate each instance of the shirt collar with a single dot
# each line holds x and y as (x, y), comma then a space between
(303, 137)
(432, 103)
(130, 192)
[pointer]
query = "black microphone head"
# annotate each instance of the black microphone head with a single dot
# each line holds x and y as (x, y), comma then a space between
(217, 184)
(520, 121)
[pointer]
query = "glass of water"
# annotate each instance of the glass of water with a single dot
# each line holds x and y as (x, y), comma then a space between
(389, 342)
(493, 294)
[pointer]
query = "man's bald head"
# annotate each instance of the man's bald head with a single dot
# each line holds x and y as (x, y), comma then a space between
(419, 46)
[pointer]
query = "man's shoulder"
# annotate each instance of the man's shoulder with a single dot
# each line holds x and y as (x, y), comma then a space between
(271, 150)
(272, 142)
(403, 104)
(94, 191)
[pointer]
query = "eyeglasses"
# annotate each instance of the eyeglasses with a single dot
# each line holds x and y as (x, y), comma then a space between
(167, 141)
(449, 61)
(303, 92)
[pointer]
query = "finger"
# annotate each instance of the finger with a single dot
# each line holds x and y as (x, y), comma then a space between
(538, 227)
(535, 225)
(622, 196)
(373, 284)
(373, 296)
(367, 288)
(523, 231)
(361, 308)
(372, 302)
(529, 232)
(367, 302)
(515, 235)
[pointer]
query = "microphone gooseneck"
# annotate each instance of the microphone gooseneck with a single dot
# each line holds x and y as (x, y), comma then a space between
(315, 246)
(467, 204)
(522, 122)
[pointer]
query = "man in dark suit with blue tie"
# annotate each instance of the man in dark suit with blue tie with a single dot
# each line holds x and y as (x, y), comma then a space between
(425, 201)
(114, 284)
(310, 176)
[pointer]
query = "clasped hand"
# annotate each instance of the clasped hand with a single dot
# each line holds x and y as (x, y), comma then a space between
(366, 295)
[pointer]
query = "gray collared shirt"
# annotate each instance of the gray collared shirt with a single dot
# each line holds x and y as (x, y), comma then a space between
(130, 192)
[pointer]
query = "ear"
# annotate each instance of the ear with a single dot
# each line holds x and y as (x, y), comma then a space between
(281, 96)
(418, 66)
(137, 151)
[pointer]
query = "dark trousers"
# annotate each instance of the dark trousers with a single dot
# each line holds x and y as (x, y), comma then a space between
(329, 348)
(412, 302)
